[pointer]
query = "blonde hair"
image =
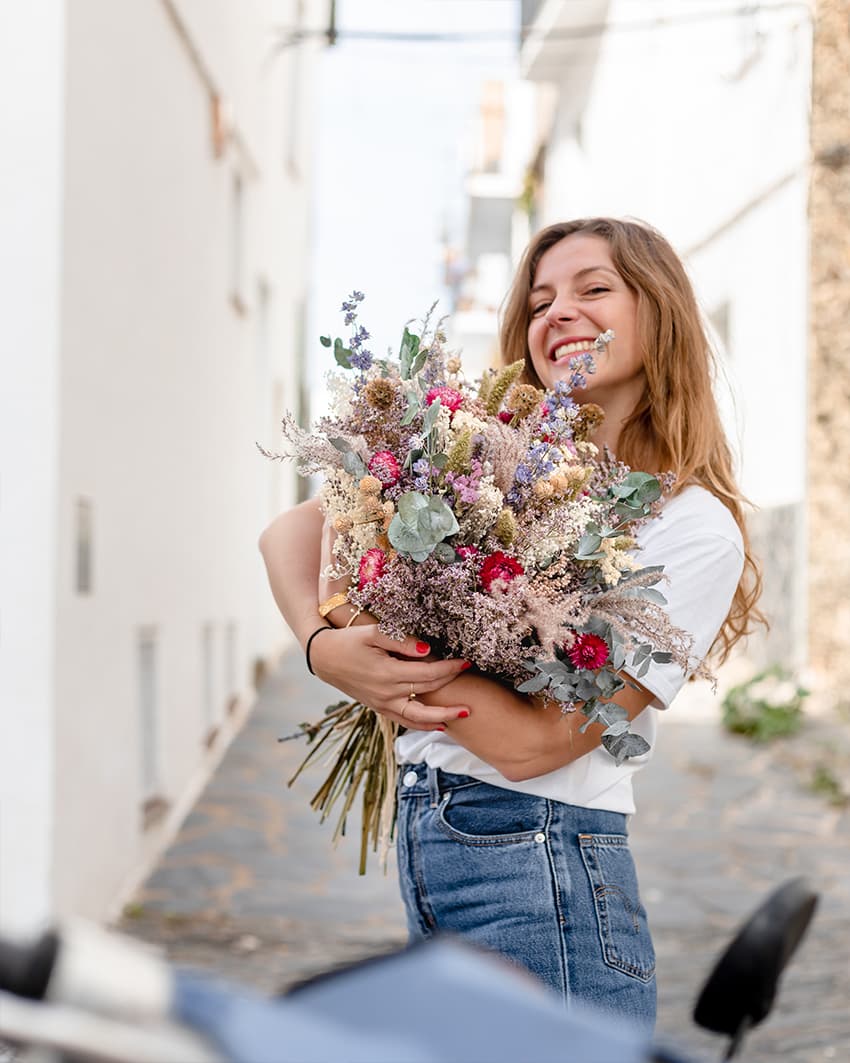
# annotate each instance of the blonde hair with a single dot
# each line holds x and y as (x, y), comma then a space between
(676, 425)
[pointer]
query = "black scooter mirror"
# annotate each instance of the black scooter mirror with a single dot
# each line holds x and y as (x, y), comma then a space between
(740, 991)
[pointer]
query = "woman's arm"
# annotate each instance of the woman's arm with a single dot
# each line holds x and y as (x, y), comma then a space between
(523, 737)
(358, 660)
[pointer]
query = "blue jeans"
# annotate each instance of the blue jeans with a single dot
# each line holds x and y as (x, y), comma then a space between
(550, 886)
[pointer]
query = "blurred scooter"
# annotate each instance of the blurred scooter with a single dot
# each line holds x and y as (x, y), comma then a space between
(81, 993)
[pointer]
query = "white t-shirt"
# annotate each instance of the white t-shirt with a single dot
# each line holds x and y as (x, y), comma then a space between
(699, 544)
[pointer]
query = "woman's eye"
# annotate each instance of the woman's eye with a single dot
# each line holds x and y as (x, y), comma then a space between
(536, 311)
(598, 290)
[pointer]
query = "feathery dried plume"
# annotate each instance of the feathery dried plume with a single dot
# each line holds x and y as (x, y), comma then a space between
(506, 377)
(505, 527)
(460, 455)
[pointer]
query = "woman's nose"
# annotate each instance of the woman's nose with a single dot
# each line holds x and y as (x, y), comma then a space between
(561, 309)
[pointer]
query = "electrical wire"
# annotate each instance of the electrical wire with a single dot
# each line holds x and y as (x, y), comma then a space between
(293, 37)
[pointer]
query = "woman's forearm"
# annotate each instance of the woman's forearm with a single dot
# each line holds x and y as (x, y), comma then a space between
(291, 549)
(523, 737)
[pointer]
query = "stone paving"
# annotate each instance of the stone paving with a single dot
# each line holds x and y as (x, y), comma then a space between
(253, 889)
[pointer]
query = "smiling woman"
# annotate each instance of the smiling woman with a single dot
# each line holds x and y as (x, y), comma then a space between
(512, 823)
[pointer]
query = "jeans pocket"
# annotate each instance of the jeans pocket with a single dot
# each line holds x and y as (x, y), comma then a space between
(623, 928)
(488, 815)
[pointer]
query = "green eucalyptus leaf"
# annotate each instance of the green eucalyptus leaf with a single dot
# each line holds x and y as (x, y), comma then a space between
(353, 464)
(325, 341)
(534, 685)
(619, 727)
(445, 553)
(418, 362)
(342, 356)
(431, 415)
(341, 444)
(409, 505)
(621, 747)
(588, 546)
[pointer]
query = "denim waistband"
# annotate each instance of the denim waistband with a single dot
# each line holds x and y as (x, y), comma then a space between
(431, 782)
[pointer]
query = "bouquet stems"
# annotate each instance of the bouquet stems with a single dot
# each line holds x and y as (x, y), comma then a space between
(362, 759)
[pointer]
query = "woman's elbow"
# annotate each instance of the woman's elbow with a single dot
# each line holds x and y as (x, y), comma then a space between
(515, 770)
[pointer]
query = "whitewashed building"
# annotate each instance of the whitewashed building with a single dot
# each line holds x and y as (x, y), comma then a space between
(154, 195)
(694, 116)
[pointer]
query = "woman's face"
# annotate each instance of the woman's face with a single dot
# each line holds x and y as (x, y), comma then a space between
(577, 293)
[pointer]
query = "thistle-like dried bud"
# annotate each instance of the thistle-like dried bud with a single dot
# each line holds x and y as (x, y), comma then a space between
(380, 393)
(453, 365)
(370, 485)
(505, 527)
(343, 523)
(589, 418)
(523, 399)
(543, 489)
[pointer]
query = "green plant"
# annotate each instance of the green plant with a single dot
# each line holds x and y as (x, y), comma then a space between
(825, 782)
(767, 706)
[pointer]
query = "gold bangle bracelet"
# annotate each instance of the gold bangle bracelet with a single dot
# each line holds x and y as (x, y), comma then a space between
(332, 603)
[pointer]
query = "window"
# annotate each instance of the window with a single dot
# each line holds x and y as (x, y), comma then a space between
(148, 711)
(84, 573)
(237, 245)
(209, 691)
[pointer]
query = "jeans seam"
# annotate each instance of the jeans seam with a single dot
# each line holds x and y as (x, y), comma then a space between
(559, 908)
(422, 906)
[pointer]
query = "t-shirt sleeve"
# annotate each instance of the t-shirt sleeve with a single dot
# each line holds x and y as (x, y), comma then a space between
(703, 571)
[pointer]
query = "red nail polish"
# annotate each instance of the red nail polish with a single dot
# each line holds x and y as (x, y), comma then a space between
(465, 665)
(463, 714)
(441, 728)
(422, 647)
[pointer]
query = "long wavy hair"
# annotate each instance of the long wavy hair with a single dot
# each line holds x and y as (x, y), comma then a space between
(676, 424)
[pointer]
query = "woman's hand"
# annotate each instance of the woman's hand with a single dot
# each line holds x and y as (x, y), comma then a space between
(382, 673)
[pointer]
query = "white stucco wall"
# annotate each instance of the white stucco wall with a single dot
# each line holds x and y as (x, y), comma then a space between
(165, 385)
(31, 68)
(701, 128)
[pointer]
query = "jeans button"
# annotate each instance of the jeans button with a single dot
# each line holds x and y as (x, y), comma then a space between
(540, 837)
(410, 778)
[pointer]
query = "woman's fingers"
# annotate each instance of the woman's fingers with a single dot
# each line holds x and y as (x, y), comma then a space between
(418, 717)
(416, 648)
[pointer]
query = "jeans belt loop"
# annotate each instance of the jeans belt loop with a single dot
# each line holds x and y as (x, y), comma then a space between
(434, 786)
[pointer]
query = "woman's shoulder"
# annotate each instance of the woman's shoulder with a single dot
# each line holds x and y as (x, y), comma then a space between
(694, 514)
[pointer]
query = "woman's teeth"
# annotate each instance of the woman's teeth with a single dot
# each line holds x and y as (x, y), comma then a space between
(567, 349)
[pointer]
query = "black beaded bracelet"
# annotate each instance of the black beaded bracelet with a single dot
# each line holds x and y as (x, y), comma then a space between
(324, 627)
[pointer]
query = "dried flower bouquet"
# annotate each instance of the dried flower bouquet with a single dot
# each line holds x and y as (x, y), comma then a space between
(480, 517)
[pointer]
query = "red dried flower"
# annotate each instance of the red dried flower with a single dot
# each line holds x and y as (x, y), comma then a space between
(449, 397)
(372, 565)
(506, 416)
(384, 467)
(588, 651)
(499, 566)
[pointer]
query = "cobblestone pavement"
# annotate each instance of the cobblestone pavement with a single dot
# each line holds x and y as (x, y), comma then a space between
(252, 888)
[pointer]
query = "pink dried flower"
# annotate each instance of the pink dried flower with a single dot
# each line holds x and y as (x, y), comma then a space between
(506, 416)
(449, 397)
(372, 565)
(467, 551)
(385, 467)
(588, 651)
(499, 566)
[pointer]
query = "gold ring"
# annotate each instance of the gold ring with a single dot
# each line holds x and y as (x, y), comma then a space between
(412, 695)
